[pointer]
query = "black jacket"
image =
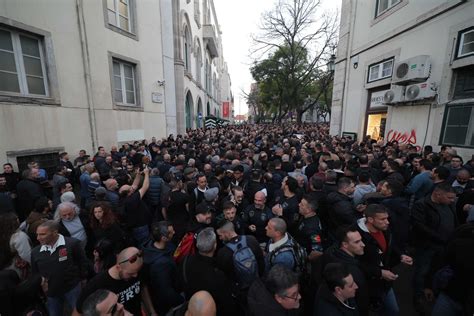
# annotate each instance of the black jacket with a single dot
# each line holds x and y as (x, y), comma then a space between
(28, 192)
(197, 272)
(64, 268)
(336, 255)
(261, 302)
(326, 304)
(341, 210)
(426, 219)
(374, 260)
(162, 273)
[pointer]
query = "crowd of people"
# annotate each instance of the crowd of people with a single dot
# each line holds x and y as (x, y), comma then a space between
(242, 220)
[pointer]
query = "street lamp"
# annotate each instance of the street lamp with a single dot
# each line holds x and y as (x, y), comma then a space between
(332, 63)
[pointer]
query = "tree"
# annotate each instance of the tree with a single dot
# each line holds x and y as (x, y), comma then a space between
(291, 53)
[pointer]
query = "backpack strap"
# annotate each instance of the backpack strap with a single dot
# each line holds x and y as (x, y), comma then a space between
(242, 243)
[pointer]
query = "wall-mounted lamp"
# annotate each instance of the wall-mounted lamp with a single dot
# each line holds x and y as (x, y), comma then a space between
(355, 61)
(161, 83)
(332, 63)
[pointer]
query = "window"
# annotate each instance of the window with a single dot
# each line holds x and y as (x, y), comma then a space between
(187, 49)
(381, 70)
(124, 83)
(459, 125)
(22, 64)
(385, 5)
(466, 43)
(120, 14)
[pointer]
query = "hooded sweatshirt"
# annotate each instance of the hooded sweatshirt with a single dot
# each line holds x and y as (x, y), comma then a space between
(162, 273)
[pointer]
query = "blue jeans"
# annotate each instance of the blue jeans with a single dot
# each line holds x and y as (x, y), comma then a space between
(55, 304)
(446, 306)
(141, 235)
(390, 305)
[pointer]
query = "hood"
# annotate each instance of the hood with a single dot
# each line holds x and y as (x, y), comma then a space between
(151, 254)
(365, 188)
(362, 225)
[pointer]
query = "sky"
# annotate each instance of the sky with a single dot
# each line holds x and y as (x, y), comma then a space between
(238, 20)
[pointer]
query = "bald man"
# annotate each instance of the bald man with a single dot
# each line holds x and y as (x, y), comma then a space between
(256, 217)
(123, 280)
(200, 304)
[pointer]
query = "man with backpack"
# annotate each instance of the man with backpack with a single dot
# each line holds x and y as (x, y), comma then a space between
(282, 248)
(241, 258)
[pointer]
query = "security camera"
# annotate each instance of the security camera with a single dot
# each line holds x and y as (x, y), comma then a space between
(161, 83)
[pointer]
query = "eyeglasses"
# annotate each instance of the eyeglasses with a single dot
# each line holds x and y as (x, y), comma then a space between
(294, 297)
(133, 258)
(113, 309)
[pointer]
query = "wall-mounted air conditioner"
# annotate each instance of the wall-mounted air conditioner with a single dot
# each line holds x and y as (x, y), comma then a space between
(396, 94)
(420, 91)
(415, 69)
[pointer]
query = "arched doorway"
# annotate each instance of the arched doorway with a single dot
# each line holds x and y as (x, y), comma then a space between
(200, 115)
(189, 110)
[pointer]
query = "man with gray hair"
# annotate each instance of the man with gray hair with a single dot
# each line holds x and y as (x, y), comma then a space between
(71, 224)
(199, 272)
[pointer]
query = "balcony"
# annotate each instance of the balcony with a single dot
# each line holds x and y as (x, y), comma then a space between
(210, 39)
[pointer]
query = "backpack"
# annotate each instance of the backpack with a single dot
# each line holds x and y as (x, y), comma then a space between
(245, 263)
(187, 246)
(299, 255)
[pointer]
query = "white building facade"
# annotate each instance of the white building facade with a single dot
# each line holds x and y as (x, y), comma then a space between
(77, 74)
(202, 81)
(405, 72)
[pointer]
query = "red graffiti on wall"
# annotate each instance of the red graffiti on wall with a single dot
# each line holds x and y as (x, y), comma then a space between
(403, 138)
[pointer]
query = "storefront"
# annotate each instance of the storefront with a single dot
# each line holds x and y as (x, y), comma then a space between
(376, 117)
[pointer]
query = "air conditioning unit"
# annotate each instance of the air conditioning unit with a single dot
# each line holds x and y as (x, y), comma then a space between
(420, 91)
(415, 69)
(396, 94)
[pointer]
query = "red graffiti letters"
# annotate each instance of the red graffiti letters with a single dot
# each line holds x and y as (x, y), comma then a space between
(406, 138)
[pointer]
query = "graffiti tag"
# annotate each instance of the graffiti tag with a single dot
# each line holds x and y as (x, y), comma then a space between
(403, 138)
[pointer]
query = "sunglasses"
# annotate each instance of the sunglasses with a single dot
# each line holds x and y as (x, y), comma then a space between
(133, 258)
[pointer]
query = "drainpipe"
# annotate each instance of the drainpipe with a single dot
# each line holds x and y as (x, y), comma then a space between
(87, 71)
(353, 10)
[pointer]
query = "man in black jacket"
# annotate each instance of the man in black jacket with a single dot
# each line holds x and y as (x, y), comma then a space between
(335, 296)
(349, 248)
(62, 264)
(278, 295)
(434, 220)
(28, 190)
(341, 208)
(161, 268)
(380, 255)
(199, 272)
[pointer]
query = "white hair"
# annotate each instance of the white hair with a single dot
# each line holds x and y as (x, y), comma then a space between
(65, 205)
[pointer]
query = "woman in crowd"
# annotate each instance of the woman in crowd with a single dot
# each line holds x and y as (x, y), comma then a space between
(104, 225)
